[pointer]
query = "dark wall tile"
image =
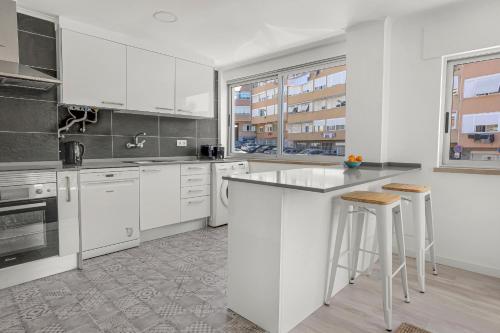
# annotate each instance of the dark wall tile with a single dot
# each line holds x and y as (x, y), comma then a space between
(168, 147)
(95, 146)
(36, 25)
(131, 124)
(207, 128)
(177, 127)
(27, 147)
(49, 95)
(120, 149)
(22, 115)
(37, 51)
(102, 127)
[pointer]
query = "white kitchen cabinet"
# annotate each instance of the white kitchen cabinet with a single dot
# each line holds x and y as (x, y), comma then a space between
(195, 208)
(150, 81)
(194, 89)
(160, 195)
(67, 206)
(109, 210)
(94, 71)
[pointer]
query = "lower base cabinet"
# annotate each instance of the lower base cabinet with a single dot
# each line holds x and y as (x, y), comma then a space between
(195, 208)
(67, 206)
(160, 195)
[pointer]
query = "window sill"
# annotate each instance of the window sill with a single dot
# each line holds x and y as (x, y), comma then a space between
(465, 170)
(285, 161)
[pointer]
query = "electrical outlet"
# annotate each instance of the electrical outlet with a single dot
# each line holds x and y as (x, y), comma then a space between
(182, 143)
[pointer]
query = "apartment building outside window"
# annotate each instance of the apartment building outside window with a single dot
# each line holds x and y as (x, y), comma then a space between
(472, 111)
(293, 112)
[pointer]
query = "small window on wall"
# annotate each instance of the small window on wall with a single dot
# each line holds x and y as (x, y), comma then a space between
(472, 111)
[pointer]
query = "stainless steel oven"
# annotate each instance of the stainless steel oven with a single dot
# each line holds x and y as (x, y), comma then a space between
(28, 217)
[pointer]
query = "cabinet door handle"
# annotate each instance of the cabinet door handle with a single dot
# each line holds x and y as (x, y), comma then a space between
(195, 202)
(194, 191)
(195, 168)
(110, 191)
(112, 103)
(194, 179)
(68, 189)
(162, 108)
(130, 232)
(182, 110)
(151, 170)
(2, 45)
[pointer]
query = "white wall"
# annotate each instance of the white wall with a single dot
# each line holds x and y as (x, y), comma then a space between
(466, 206)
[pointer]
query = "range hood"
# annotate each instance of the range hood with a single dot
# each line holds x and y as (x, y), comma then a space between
(12, 73)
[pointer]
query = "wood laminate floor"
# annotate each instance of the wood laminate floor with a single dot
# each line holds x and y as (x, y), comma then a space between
(456, 301)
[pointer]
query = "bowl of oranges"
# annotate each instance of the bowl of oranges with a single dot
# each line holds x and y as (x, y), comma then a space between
(353, 161)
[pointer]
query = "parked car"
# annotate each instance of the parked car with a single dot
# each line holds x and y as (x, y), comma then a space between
(273, 150)
(291, 151)
(311, 151)
(263, 148)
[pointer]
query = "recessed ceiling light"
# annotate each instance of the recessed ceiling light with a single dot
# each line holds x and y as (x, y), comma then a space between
(165, 17)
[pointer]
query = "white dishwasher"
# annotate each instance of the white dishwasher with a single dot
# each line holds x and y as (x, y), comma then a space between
(109, 210)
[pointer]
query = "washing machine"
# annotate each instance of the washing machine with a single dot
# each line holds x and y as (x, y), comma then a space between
(220, 193)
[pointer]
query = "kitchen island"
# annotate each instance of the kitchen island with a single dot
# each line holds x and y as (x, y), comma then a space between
(278, 239)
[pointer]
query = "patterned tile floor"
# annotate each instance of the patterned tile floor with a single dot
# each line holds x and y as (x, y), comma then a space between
(173, 284)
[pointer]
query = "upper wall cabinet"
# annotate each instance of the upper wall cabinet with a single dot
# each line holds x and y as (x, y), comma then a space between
(93, 71)
(150, 81)
(194, 89)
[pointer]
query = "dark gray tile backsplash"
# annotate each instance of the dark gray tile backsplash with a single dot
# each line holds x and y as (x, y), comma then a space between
(175, 127)
(131, 124)
(150, 148)
(38, 51)
(23, 147)
(29, 119)
(168, 147)
(24, 115)
(35, 25)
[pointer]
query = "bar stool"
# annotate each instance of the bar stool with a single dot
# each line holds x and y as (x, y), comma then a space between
(420, 199)
(387, 209)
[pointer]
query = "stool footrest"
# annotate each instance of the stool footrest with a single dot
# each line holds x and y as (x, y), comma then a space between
(429, 246)
(398, 269)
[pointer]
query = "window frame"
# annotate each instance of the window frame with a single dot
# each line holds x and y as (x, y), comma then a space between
(280, 75)
(448, 64)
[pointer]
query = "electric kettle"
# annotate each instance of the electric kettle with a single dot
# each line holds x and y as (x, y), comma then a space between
(72, 153)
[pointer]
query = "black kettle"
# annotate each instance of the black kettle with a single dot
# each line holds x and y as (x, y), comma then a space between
(72, 153)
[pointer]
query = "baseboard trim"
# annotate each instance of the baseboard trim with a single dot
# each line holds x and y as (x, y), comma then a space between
(467, 266)
(110, 248)
(172, 229)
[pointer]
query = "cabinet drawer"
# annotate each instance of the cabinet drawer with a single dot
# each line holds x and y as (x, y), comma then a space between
(195, 180)
(104, 175)
(195, 191)
(195, 208)
(195, 169)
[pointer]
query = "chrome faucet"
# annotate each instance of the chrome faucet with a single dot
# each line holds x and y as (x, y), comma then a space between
(136, 143)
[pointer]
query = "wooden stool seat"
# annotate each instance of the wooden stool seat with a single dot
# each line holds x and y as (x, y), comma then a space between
(406, 188)
(377, 198)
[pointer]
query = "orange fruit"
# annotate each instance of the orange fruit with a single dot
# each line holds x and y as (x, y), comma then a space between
(359, 158)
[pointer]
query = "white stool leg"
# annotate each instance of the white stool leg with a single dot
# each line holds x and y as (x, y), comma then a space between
(398, 224)
(418, 208)
(336, 252)
(357, 231)
(373, 256)
(430, 231)
(384, 232)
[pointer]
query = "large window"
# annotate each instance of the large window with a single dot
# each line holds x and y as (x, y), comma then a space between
(292, 112)
(472, 122)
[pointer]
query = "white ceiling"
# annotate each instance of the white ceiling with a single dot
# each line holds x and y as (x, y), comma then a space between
(230, 31)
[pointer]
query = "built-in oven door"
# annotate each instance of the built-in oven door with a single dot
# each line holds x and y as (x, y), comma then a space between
(28, 230)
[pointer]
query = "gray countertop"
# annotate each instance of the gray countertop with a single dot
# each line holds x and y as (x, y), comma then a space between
(101, 164)
(321, 180)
